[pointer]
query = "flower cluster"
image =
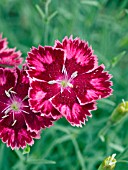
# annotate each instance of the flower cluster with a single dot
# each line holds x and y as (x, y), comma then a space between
(60, 81)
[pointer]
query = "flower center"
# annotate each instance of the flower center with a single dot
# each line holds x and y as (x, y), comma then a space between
(15, 106)
(66, 82)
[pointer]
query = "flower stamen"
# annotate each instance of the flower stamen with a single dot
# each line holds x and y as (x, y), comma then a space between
(26, 97)
(7, 93)
(3, 117)
(52, 82)
(74, 74)
(25, 112)
(14, 122)
(7, 111)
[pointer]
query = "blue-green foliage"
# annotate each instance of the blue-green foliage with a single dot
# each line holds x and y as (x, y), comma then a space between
(104, 24)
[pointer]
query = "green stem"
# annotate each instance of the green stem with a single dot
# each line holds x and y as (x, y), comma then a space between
(103, 131)
(2, 157)
(79, 154)
(26, 158)
(19, 154)
(100, 168)
(46, 30)
(122, 153)
(46, 22)
(122, 161)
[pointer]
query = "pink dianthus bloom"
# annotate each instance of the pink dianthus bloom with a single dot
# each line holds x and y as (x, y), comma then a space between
(8, 56)
(67, 78)
(18, 124)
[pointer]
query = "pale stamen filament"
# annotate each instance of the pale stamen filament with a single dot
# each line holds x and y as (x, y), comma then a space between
(25, 111)
(9, 91)
(7, 94)
(7, 111)
(14, 120)
(53, 82)
(13, 92)
(73, 76)
(64, 70)
(5, 108)
(3, 117)
(26, 106)
(26, 97)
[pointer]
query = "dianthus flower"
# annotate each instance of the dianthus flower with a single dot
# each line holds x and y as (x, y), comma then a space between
(18, 124)
(67, 78)
(8, 56)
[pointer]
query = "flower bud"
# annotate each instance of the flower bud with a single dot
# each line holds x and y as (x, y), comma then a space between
(117, 115)
(26, 150)
(120, 111)
(108, 163)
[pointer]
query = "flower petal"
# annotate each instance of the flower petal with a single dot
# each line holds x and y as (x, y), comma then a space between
(16, 135)
(16, 139)
(7, 80)
(22, 85)
(8, 56)
(67, 104)
(3, 43)
(45, 63)
(92, 86)
(40, 94)
(79, 56)
(36, 122)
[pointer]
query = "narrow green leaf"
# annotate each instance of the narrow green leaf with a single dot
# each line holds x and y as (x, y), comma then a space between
(116, 147)
(19, 154)
(46, 7)
(40, 11)
(116, 59)
(122, 161)
(78, 152)
(123, 42)
(19, 166)
(57, 141)
(126, 11)
(91, 3)
(123, 154)
(62, 128)
(107, 101)
(2, 151)
(52, 15)
(40, 161)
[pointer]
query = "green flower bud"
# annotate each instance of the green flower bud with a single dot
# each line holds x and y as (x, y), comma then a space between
(117, 115)
(26, 150)
(108, 163)
(120, 111)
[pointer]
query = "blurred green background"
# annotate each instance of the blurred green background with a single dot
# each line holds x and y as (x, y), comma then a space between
(104, 24)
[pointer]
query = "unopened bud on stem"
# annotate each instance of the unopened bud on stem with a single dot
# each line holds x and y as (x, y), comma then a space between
(108, 163)
(117, 115)
(120, 111)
